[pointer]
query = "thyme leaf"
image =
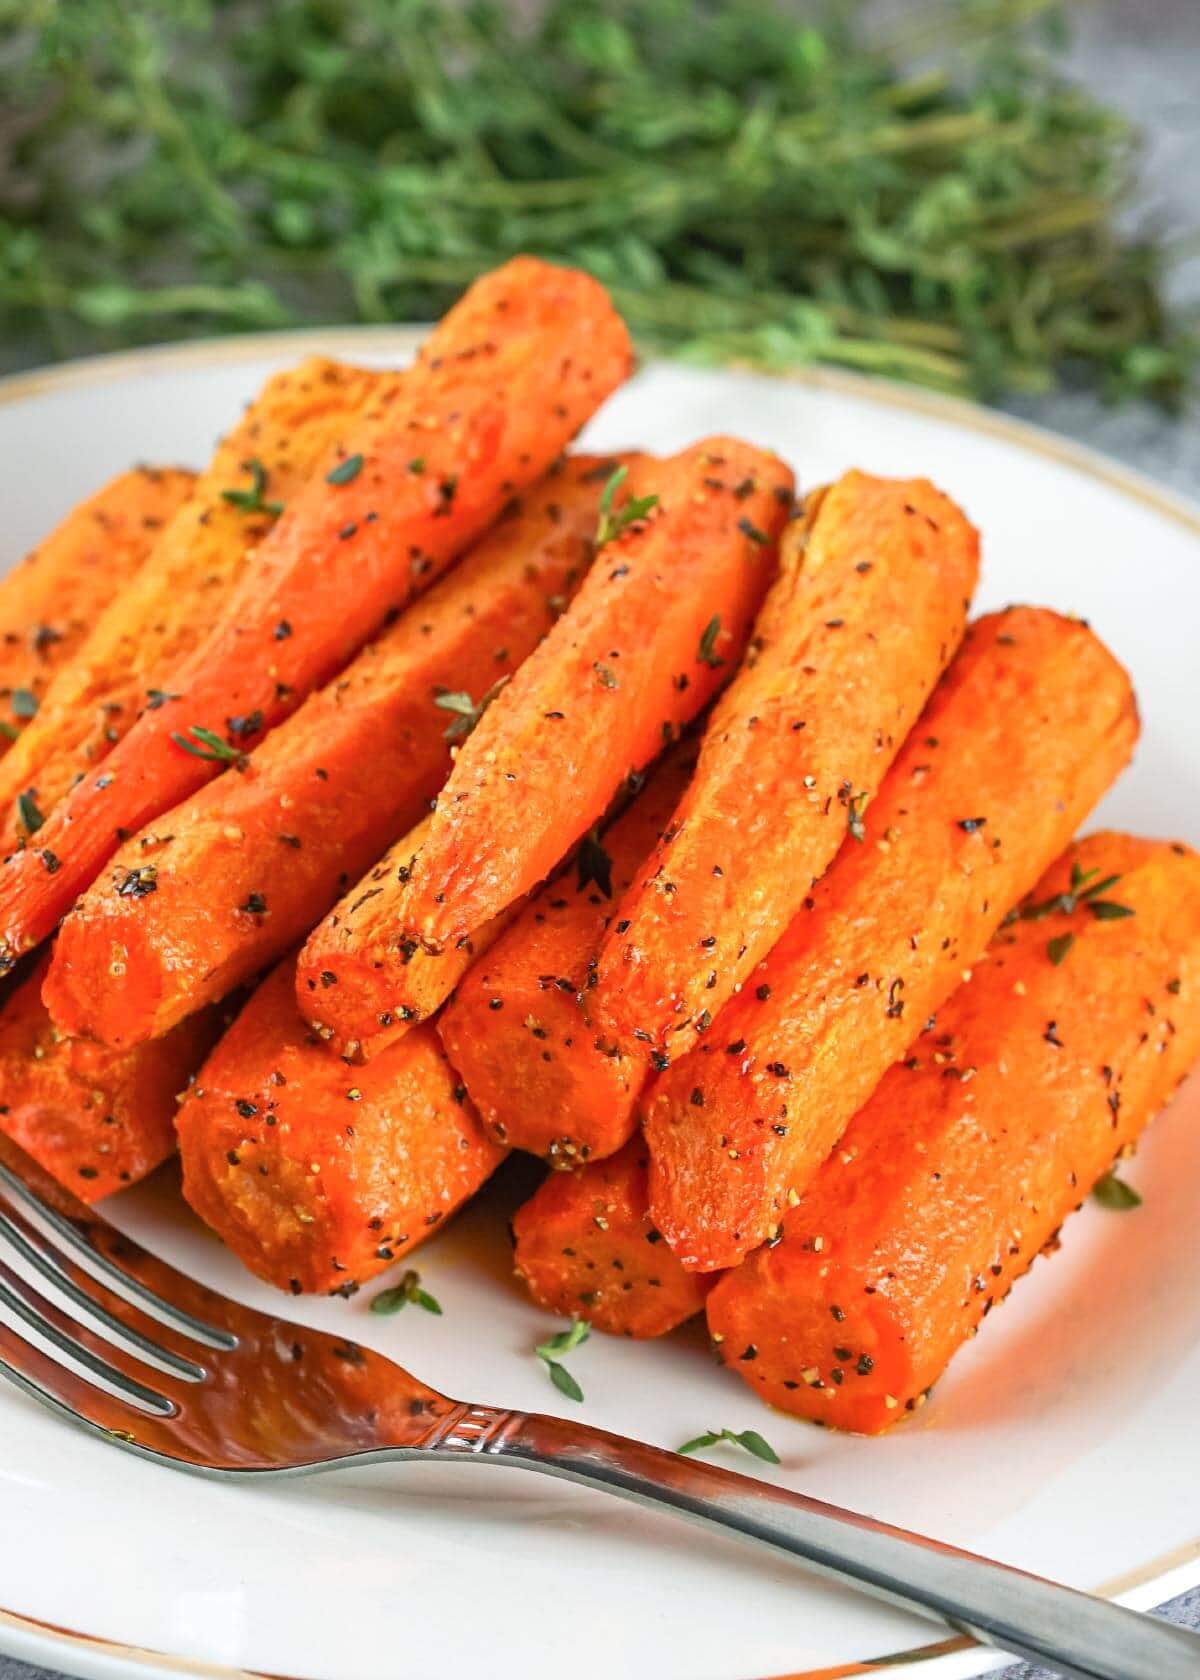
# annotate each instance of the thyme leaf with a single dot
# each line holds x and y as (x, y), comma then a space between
(1104, 910)
(748, 1439)
(394, 1300)
(467, 712)
(251, 501)
(614, 520)
(346, 471)
(1113, 1193)
(708, 641)
(204, 743)
(564, 1342)
(1058, 947)
(27, 809)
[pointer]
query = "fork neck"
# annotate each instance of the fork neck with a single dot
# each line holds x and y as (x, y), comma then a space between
(1077, 1636)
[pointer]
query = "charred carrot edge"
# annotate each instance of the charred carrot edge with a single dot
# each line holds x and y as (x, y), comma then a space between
(1030, 725)
(96, 1119)
(869, 605)
(500, 389)
(239, 872)
(124, 665)
(49, 601)
(959, 1171)
(318, 1176)
(586, 1247)
(519, 1028)
(659, 622)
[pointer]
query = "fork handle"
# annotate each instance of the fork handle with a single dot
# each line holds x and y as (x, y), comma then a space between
(1076, 1635)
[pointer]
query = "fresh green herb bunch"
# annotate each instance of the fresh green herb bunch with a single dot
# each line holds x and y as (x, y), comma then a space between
(757, 181)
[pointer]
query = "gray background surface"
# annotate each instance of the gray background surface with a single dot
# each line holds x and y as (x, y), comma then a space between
(1143, 56)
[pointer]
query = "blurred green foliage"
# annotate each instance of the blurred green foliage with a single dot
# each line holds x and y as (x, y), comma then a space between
(759, 182)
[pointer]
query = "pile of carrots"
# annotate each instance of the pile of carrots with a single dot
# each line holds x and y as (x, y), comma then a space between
(405, 789)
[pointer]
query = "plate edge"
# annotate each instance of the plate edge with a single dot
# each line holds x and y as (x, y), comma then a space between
(233, 348)
(28, 1639)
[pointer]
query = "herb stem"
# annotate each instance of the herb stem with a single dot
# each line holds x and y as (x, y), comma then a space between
(942, 205)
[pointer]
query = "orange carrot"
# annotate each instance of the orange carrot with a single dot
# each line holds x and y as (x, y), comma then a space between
(501, 387)
(96, 1119)
(50, 600)
(870, 603)
(1027, 729)
(125, 663)
(586, 1247)
(663, 612)
(234, 876)
(1068, 1038)
(519, 1029)
(317, 1176)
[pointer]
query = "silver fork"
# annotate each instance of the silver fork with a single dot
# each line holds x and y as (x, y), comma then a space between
(203, 1384)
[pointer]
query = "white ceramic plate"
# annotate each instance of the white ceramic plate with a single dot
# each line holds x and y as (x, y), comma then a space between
(1063, 1441)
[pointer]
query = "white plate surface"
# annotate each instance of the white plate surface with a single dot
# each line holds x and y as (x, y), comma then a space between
(1063, 1441)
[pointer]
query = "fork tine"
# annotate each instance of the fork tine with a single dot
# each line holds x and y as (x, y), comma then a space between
(71, 1396)
(77, 1342)
(122, 1317)
(51, 1383)
(105, 1248)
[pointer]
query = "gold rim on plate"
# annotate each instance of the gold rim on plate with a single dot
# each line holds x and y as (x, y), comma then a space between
(216, 352)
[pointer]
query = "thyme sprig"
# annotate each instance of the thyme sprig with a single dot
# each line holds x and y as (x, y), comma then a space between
(748, 1439)
(563, 1342)
(251, 500)
(207, 744)
(756, 181)
(467, 712)
(409, 1288)
(613, 520)
(1084, 891)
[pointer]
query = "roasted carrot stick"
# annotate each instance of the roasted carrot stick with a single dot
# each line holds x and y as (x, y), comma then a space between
(125, 664)
(316, 1175)
(501, 387)
(869, 605)
(96, 1119)
(49, 601)
(1027, 729)
(519, 1028)
(1070, 1035)
(586, 1247)
(239, 872)
(663, 613)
